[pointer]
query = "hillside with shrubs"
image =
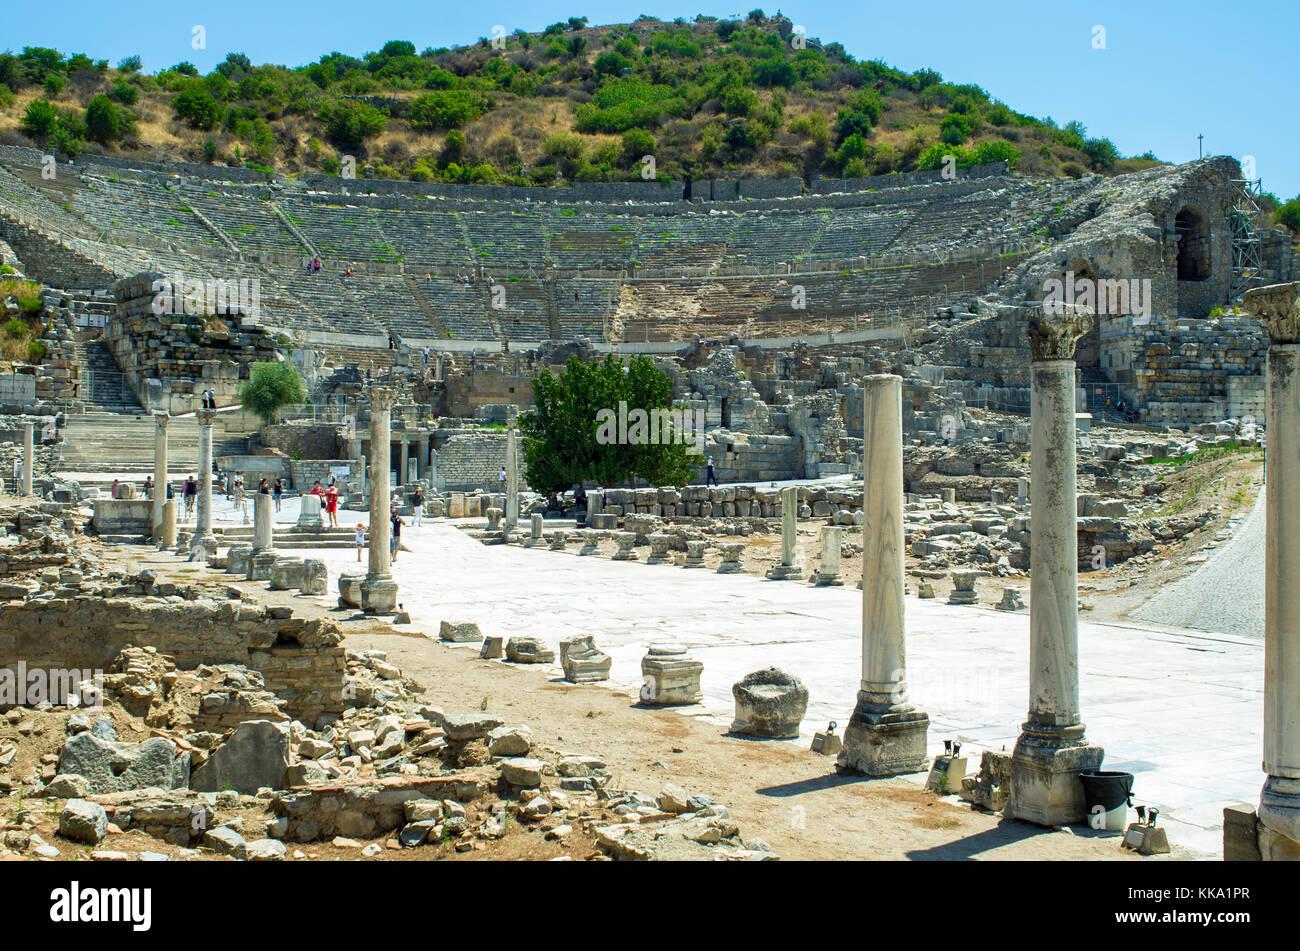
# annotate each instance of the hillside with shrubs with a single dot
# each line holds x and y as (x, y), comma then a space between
(705, 98)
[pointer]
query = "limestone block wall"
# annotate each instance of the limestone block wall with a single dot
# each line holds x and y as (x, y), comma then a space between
(301, 659)
(189, 354)
(304, 440)
(472, 460)
(303, 473)
(122, 516)
(1179, 371)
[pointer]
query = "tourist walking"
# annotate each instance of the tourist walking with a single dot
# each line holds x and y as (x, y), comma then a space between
(279, 494)
(332, 505)
(395, 542)
(191, 493)
(361, 538)
(501, 478)
(710, 477)
(148, 487)
(417, 507)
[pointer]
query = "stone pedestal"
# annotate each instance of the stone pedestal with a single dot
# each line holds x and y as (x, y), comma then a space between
(1279, 804)
(557, 540)
(237, 560)
(787, 570)
(590, 539)
(659, 543)
(309, 517)
(379, 591)
(534, 538)
(29, 456)
(350, 589)
(694, 555)
(731, 552)
(625, 541)
(886, 734)
(260, 565)
(829, 572)
(963, 587)
(1044, 784)
(494, 520)
(672, 678)
(203, 546)
(583, 662)
(159, 473)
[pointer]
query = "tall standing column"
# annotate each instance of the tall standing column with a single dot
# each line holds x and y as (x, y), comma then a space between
(1279, 802)
(29, 453)
(403, 464)
(512, 477)
(886, 734)
(204, 544)
(787, 570)
(1052, 749)
(159, 474)
(379, 591)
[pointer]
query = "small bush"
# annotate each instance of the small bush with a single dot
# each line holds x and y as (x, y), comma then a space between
(35, 350)
(16, 329)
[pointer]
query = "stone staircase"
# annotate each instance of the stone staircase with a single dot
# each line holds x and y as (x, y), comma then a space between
(113, 442)
(288, 538)
(104, 385)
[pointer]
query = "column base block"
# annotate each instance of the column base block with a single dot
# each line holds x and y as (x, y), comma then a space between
(1045, 784)
(259, 566)
(827, 581)
(1279, 820)
(784, 573)
(885, 744)
(379, 596)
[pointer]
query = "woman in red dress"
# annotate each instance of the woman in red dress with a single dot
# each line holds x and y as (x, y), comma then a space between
(332, 505)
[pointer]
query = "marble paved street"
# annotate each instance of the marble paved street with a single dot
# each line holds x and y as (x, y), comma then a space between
(1182, 710)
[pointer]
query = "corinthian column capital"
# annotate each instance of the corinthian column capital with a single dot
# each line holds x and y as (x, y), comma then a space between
(1278, 305)
(1054, 330)
(382, 398)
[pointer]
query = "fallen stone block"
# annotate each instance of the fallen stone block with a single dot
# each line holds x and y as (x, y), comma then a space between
(254, 756)
(529, 650)
(769, 703)
(83, 821)
(460, 632)
(115, 767)
(582, 661)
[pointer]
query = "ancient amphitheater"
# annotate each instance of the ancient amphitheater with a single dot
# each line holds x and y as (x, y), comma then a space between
(887, 402)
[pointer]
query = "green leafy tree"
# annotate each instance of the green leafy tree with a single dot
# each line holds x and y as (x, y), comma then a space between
(560, 444)
(271, 387)
(1289, 215)
(197, 107)
(350, 123)
(106, 121)
(129, 64)
(40, 119)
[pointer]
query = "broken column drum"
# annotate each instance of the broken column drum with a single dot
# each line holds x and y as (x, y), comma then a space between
(1052, 748)
(769, 703)
(886, 734)
(29, 452)
(829, 572)
(263, 557)
(672, 678)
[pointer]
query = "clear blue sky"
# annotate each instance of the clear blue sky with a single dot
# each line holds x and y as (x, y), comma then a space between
(1170, 70)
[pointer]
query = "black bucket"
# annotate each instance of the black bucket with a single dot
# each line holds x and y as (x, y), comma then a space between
(1107, 789)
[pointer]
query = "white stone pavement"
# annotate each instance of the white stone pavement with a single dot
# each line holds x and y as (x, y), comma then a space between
(1182, 710)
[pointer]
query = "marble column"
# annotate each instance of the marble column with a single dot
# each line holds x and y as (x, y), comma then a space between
(1279, 802)
(379, 591)
(29, 454)
(159, 474)
(403, 464)
(512, 478)
(829, 572)
(204, 544)
(1052, 748)
(787, 570)
(886, 734)
(263, 555)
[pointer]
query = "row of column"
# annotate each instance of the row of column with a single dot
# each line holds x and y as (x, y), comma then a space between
(886, 734)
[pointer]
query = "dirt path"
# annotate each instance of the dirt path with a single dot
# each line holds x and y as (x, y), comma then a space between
(776, 790)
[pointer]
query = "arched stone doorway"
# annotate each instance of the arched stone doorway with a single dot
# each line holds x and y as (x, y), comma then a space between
(1192, 230)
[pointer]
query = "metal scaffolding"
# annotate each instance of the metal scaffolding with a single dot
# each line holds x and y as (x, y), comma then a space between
(1246, 221)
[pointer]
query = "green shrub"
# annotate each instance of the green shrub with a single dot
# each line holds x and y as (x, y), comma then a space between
(106, 121)
(350, 123)
(16, 329)
(124, 93)
(1288, 215)
(197, 107)
(40, 119)
(448, 109)
(129, 64)
(35, 350)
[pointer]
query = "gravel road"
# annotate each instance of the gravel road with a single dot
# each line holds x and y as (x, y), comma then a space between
(1226, 594)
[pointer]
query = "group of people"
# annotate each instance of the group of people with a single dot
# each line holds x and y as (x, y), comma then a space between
(1128, 412)
(394, 536)
(189, 491)
(329, 500)
(313, 266)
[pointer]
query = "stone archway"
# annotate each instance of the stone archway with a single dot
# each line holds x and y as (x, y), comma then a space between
(1192, 231)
